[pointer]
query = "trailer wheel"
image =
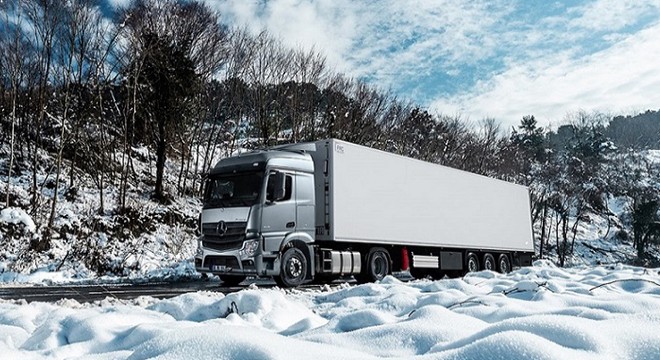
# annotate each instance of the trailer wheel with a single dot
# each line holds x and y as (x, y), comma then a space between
(472, 263)
(504, 264)
(231, 280)
(293, 268)
(377, 267)
(489, 262)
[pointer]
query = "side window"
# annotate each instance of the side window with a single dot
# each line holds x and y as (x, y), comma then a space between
(288, 187)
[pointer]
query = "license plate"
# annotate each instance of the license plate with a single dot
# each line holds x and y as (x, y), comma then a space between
(219, 268)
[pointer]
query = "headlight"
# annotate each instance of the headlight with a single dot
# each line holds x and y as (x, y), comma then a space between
(249, 248)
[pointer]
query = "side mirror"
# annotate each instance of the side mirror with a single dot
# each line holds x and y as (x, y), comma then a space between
(276, 186)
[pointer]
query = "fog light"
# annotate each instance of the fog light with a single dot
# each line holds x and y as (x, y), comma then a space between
(249, 248)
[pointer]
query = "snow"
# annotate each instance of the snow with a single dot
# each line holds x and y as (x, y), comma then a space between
(17, 216)
(538, 312)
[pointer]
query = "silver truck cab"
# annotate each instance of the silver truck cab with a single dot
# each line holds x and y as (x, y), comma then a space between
(258, 218)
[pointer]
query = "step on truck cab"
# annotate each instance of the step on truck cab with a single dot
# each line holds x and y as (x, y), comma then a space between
(321, 210)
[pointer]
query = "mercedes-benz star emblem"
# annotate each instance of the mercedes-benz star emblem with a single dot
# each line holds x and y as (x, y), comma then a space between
(221, 229)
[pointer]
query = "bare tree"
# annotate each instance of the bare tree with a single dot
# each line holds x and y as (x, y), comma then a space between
(176, 45)
(44, 17)
(12, 63)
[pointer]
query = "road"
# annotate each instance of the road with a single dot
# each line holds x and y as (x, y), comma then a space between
(160, 290)
(90, 293)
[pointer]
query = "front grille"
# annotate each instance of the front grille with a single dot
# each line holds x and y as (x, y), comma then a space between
(232, 237)
(222, 246)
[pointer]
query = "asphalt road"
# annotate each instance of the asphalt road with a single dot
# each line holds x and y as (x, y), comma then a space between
(90, 293)
(95, 292)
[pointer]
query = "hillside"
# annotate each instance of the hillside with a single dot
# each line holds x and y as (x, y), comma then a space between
(146, 240)
(155, 240)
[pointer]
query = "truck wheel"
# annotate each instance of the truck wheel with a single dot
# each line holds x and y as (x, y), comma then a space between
(489, 262)
(377, 266)
(472, 263)
(504, 264)
(293, 268)
(230, 280)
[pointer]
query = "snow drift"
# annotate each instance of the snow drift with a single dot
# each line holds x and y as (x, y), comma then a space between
(541, 312)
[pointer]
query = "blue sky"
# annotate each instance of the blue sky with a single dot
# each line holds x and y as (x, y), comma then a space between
(481, 58)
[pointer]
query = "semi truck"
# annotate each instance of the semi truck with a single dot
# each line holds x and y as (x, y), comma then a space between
(322, 210)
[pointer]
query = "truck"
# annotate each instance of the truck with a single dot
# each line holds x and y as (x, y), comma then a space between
(322, 210)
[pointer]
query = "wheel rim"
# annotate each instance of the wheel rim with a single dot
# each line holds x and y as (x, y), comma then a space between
(489, 262)
(504, 264)
(379, 266)
(472, 264)
(294, 268)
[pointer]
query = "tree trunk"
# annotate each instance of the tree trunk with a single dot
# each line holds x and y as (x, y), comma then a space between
(11, 142)
(160, 160)
(543, 224)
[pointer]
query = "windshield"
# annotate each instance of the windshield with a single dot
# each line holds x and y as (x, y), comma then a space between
(233, 190)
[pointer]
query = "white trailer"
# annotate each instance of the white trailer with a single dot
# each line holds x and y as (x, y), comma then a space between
(332, 208)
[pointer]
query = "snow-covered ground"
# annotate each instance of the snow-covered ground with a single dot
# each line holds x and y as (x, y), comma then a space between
(540, 312)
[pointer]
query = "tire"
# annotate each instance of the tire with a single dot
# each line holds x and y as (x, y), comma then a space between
(472, 263)
(489, 262)
(231, 280)
(504, 264)
(377, 266)
(293, 268)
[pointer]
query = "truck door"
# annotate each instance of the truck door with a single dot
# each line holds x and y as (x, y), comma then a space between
(279, 217)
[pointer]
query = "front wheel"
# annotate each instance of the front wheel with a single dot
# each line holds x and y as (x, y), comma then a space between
(377, 266)
(293, 268)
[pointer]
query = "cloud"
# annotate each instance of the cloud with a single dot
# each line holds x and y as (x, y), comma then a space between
(326, 25)
(479, 58)
(387, 42)
(621, 78)
(611, 15)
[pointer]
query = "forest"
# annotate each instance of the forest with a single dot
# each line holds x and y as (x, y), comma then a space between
(87, 96)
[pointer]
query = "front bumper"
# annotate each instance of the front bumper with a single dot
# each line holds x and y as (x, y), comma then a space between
(228, 262)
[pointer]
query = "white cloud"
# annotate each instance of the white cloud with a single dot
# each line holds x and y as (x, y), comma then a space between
(326, 25)
(384, 40)
(621, 78)
(547, 62)
(612, 14)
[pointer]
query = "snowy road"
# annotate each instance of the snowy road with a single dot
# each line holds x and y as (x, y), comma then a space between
(88, 293)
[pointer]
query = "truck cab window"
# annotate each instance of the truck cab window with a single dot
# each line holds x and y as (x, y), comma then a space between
(232, 190)
(288, 187)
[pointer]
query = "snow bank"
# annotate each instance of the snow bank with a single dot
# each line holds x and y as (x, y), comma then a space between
(17, 216)
(540, 312)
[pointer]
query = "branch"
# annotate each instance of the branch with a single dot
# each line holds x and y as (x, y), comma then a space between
(624, 280)
(466, 301)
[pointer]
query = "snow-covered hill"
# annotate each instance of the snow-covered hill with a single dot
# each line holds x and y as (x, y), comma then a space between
(148, 240)
(541, 312)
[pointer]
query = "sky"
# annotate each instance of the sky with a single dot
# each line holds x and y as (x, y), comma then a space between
(480, 58)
